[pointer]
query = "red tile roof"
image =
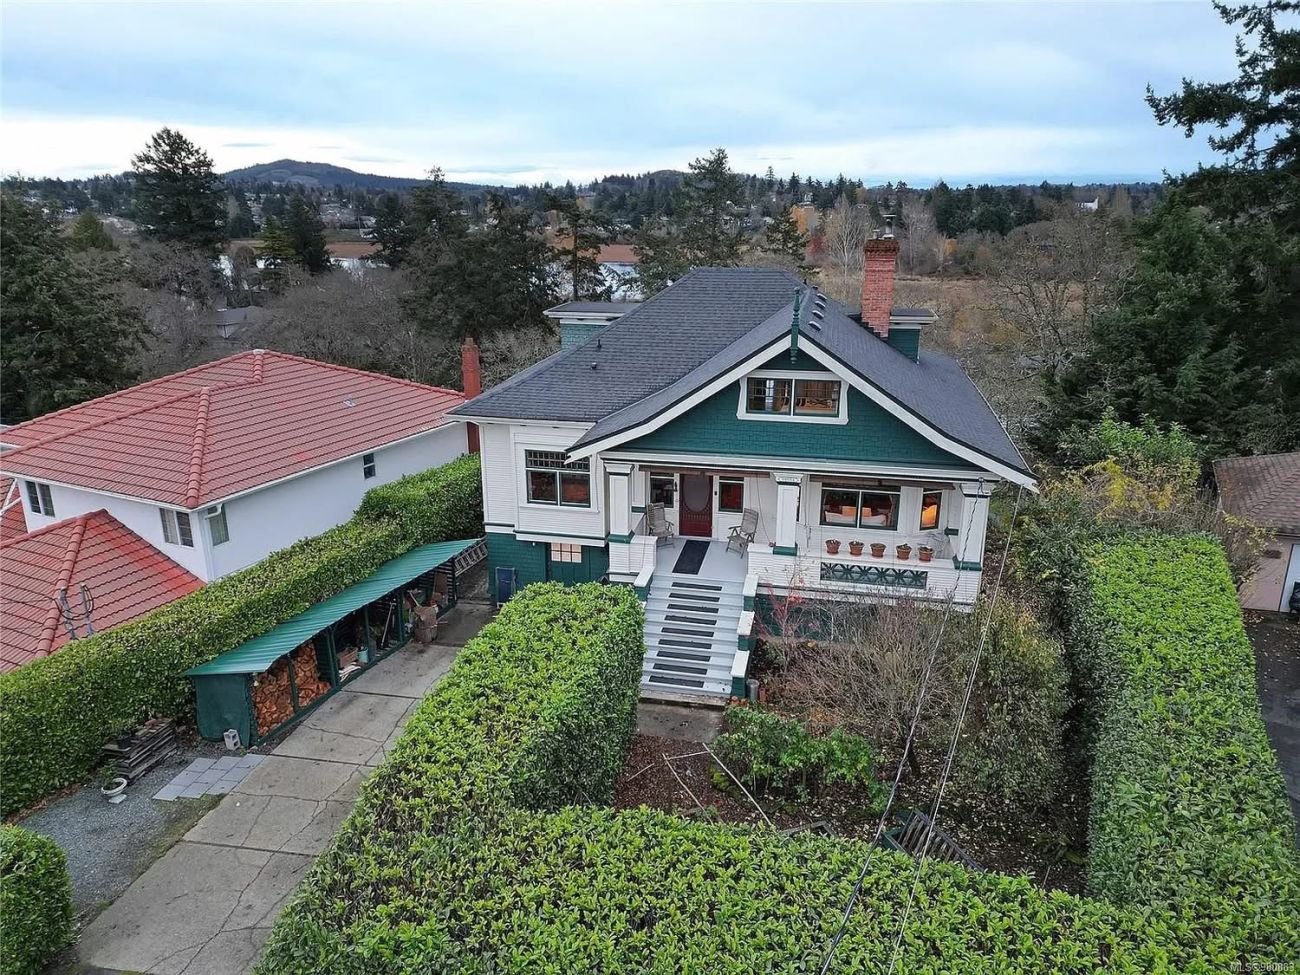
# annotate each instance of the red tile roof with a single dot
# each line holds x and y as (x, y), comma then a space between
(215, 430)
(127, 577)
(12, 520)
(1265, 489)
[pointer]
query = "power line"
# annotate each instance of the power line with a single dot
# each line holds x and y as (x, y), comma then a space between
(902, 760)
(956, 737)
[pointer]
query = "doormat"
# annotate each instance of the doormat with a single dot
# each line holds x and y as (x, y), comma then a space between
(692, 557)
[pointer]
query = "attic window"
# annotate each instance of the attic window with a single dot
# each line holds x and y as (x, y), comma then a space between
(40, 499)
(814, 398)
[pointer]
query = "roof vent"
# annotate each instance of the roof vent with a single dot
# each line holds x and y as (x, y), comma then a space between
(349, 402)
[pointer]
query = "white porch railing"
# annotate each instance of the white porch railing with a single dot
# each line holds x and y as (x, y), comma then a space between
(890, 577)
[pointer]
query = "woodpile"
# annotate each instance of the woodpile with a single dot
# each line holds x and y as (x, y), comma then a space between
(306, 674)
(272, 697)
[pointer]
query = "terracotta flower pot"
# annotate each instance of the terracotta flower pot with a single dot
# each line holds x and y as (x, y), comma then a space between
(855, 548)
(832, 546)
(904, 552)
(925, 553)
(878, 549)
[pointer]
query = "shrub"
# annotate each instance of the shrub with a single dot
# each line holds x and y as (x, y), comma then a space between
(56, 712)
(775, 754)
(435, 505)
(35, 901)
(1012, 746)
(1189, 811)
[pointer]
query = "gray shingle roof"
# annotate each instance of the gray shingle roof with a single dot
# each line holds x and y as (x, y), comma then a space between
(713, 318)
(1265, 489)
(593, 308)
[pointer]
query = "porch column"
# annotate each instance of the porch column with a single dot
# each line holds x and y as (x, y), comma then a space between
(620, 501)
(787, 512)
(968, 553)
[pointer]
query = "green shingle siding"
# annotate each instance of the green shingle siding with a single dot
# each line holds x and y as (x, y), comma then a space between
(572, 336)
(870, 435)
(906, 341)
(531, 562)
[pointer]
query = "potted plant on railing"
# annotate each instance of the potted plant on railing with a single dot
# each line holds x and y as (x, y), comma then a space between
(904, 552)
(925, 553)
(832, 546)
(855, 548)
(878, 550)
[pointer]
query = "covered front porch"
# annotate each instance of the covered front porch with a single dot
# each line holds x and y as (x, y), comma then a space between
(892, 532)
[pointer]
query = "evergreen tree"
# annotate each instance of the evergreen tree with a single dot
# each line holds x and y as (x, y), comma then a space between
(67, 337)
(583, 231)
(393, 231)
(178, 196)
(306, 234)
(704, 233)
(88, 233)
(784, 238)
(276, 252)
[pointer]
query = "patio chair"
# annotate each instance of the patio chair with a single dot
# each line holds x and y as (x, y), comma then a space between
(657, 524)
(743, 534)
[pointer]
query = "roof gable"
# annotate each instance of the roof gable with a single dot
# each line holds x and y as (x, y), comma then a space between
(217, 430)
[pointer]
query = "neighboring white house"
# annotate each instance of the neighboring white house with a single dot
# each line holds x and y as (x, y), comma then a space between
(221, 465)
(735, 393)
(1266, 491)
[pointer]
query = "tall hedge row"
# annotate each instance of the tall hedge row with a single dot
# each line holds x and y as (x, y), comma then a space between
(57, 712)
(469, 850)
(1189, 811)
(35, 901)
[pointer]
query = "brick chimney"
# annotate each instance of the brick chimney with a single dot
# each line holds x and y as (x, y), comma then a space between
(878, 282)
(471, 384)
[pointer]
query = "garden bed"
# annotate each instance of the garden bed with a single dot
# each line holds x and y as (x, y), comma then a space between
(1049, 848)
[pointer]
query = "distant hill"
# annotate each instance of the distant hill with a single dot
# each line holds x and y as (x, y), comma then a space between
(315, 175)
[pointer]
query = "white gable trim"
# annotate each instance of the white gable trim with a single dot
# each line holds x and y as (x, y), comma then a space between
(807, 344)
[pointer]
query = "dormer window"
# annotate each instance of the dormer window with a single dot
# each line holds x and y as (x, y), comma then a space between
(772, 396)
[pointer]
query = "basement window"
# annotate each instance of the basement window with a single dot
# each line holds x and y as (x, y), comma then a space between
(40, 499)
(565, 552)
(176, 527)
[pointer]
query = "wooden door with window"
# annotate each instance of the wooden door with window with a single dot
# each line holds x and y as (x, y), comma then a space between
(695, 506)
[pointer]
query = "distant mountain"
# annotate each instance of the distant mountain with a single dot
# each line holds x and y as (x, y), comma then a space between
(313, 175)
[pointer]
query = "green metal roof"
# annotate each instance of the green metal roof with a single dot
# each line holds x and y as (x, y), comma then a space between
(258, 654)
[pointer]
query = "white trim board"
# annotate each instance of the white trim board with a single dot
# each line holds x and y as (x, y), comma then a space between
(755, 464)
(870, 390)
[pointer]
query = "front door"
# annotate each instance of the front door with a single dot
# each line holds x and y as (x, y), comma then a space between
(696, 504)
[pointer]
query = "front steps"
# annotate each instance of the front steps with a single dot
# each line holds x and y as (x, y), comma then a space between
(690, 638)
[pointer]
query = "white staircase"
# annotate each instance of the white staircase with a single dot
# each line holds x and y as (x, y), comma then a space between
(690, 638)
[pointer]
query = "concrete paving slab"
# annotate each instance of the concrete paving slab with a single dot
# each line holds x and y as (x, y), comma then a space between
(227, 763)
(463, 623)
(346, 728)
(410, 672)
(300, 778)
(200, 765)
(271, 823)
(679, 721)
(194, 893)
(230, 953)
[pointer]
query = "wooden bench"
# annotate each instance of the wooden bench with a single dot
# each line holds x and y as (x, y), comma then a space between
(909, 836)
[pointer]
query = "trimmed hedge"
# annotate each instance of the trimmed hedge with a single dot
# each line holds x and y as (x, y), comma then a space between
(439, 868)
(35, 901)
(1189, 811)
(56, 712)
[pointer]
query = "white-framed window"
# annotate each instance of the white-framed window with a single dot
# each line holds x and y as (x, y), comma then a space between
(176, 527)
(217, 525)
(731, 494)
(552, 481)
(931, 509)
(663, 490)
(851, 506)
(565, 552)
(811, 398)
(368, 468)
(40, 499)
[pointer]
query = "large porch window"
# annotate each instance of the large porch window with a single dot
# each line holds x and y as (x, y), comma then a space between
(931, 505)
(552, 481)
(663, 490)
(856, 507)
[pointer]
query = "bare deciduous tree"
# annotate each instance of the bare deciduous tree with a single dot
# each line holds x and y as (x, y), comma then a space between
(922, 244)
(506, 353)
(846, 229)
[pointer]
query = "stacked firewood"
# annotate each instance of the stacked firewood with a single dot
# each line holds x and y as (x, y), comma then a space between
(305, 674)
(272, 697)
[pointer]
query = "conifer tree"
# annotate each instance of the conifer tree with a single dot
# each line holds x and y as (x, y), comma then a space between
(783, 238)
(582, 233)
(88, 233)
(306, 234)
(178, 196)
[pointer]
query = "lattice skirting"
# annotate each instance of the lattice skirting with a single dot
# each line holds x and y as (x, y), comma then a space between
(874, 575)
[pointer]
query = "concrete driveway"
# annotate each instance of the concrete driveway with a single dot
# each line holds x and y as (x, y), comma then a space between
(1276, 639)
(207, 905)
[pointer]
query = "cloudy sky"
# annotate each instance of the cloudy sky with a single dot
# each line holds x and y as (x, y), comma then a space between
(523, 92)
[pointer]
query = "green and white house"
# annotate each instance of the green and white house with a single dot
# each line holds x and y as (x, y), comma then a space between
(735, 389)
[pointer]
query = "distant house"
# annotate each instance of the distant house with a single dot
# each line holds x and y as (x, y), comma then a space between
(1266, 490)
(735, 439)
(618, 264)
(221, 465)
(1089, 206)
